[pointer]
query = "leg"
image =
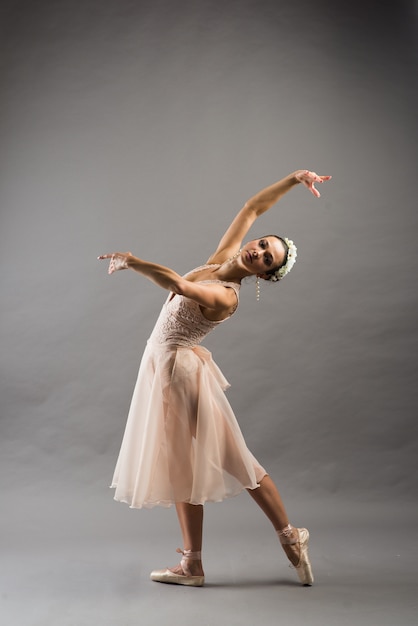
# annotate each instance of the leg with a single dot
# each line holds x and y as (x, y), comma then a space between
(294, 541)
(190, 518)
(270, 501)
(190, 570)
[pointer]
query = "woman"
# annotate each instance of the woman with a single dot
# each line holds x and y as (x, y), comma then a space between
(182, 444)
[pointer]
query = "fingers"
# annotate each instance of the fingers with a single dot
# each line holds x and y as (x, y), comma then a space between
(314, 190)
(314, 178)
(308, 179)
(114, 255)
(112, 265)
(306, 175)
(118, 261)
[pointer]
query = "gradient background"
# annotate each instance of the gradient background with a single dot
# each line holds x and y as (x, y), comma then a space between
(145, 126)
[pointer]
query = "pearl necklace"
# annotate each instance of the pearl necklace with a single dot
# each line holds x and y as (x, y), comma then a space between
(257, 280)
(234, 256)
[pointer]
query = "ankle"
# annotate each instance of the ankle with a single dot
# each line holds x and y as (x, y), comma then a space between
(288, 535)
(191, 562)
(190, 554)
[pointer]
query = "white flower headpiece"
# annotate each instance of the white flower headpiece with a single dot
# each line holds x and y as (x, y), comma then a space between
(290, 261)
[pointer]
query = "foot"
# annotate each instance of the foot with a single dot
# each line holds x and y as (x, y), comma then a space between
(188, 572)
(295, 544)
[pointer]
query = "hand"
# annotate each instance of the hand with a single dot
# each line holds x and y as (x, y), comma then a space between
(118, 261)
(308, 179)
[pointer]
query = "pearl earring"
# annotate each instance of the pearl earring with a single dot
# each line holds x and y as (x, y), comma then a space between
(257, 288)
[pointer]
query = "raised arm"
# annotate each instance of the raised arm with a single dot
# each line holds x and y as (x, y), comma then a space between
(259, 204)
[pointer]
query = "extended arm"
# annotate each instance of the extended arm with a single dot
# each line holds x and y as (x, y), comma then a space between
(259, 204)
(211, 296)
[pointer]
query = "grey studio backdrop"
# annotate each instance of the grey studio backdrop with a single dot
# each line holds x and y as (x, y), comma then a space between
(145, 126)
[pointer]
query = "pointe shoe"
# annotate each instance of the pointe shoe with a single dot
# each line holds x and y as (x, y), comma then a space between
(303, 568)
(168, 576)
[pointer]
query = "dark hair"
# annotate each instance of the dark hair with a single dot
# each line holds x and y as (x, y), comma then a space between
(273, 270)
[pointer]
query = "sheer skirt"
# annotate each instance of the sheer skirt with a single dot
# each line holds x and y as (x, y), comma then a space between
(182, 442)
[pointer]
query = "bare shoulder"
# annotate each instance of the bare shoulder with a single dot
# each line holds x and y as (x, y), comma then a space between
(227, 304)
(210, 295)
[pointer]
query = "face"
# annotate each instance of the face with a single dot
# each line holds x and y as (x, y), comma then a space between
(261, 255)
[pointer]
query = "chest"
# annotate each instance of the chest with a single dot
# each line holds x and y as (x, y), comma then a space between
(202, 274)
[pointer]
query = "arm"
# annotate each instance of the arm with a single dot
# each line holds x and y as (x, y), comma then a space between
(213, 296)
(259, 204)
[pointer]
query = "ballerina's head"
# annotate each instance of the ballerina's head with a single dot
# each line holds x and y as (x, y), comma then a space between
(270, 257)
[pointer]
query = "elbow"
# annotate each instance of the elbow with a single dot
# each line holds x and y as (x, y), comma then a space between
(177, 286)
(249, 206)
(254, 207)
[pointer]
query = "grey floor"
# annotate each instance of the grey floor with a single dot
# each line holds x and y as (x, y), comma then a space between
(78, 561)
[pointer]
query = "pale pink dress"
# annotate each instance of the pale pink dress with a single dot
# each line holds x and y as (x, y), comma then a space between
(182, 442)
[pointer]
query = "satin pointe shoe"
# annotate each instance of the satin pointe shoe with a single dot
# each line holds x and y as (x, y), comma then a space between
(168, 576)
(303, 567)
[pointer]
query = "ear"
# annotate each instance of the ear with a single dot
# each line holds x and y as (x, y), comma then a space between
(263, 276)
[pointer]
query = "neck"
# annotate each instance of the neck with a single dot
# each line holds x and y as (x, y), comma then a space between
(232, 270)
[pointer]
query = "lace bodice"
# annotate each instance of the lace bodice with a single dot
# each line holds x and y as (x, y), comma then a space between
(181, 321)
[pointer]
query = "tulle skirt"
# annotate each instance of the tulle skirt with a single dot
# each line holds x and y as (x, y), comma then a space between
(182, 442)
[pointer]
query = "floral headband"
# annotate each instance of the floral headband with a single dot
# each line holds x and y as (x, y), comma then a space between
(290, 261)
